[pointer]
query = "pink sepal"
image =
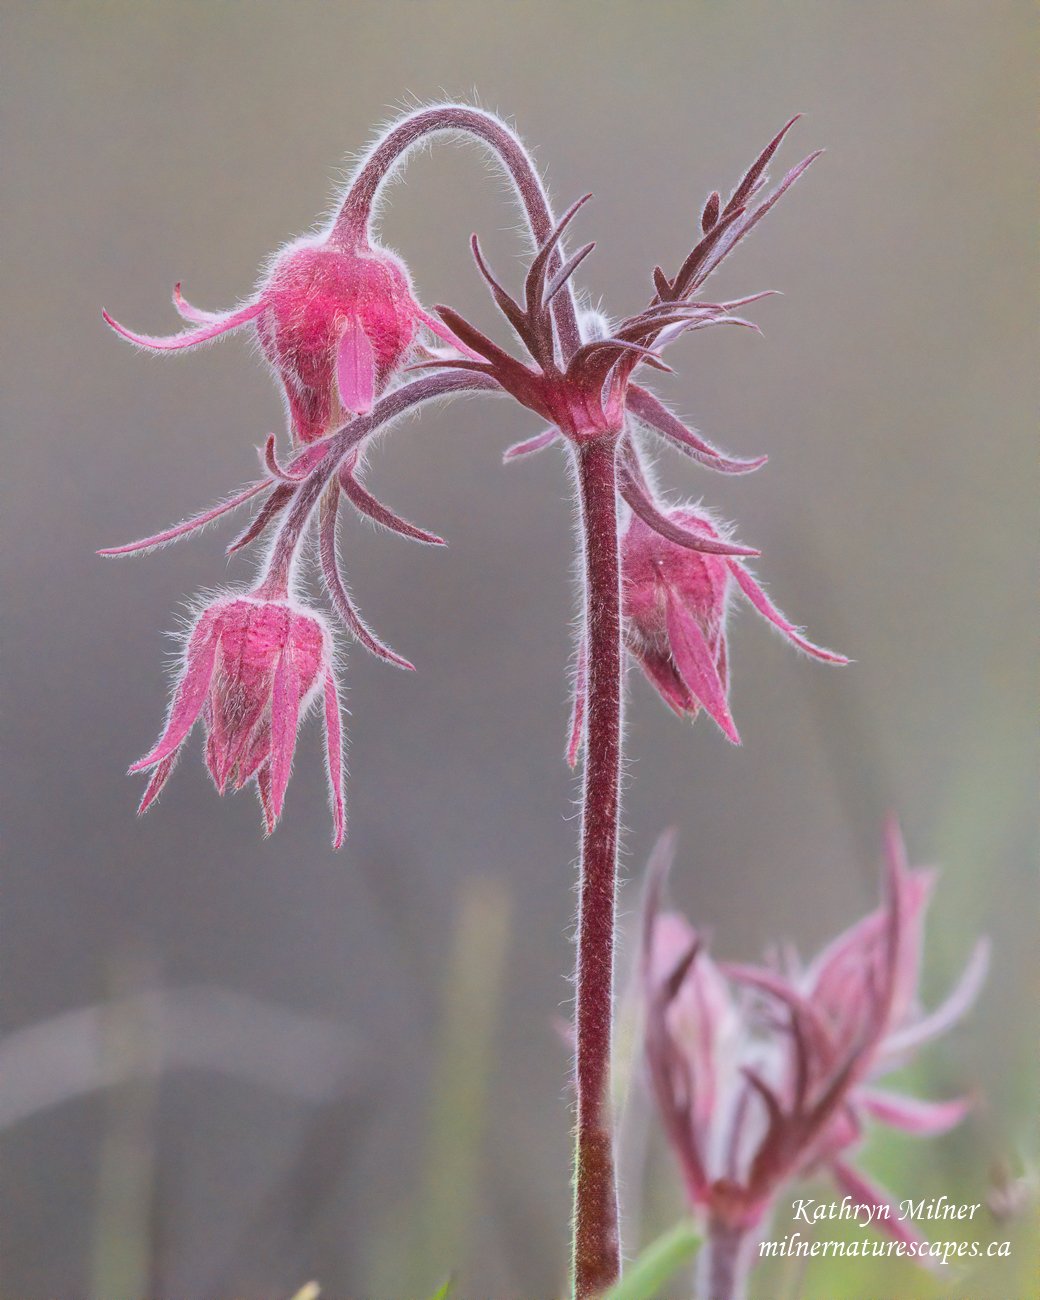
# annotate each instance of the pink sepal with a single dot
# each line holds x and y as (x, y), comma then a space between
(158, 779)
(189, 338)
(697, 667)
(958, 1002)
(922, 1118)
(186, 311)
(337, 588)
(652, 412)
(890, 1220)
(355, 369)
(285, 719)
(191, 691)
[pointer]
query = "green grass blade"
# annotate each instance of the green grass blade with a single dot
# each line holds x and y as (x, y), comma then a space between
(661, 1260)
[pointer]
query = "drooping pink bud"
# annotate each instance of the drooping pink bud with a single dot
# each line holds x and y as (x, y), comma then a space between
(675, 604)
(336, 322)
(336, 325)
(252, 669)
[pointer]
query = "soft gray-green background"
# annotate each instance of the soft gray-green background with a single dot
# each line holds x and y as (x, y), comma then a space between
(144, 143)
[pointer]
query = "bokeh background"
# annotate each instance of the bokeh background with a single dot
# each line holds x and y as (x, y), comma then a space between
(230, 1064)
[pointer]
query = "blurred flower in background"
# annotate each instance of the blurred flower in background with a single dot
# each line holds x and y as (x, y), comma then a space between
(765, 1074)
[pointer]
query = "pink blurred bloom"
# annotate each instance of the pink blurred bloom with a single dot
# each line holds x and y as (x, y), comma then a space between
(336, 320)
(675, 604)
(763, 1076)
(252, 668)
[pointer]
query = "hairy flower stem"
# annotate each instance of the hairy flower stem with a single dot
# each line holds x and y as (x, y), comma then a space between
(351, 226)
(595, 1259)
(724, 1262)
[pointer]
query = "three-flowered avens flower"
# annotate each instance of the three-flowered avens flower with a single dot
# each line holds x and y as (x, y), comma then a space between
(336, 321)
(252, 668)
(763, 1074)
(675, 601)
(339, 323)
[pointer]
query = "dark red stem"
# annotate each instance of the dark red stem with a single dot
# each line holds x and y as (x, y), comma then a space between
(595, 1231)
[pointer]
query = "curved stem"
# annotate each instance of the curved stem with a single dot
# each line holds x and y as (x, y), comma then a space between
(595, 1259)
(351, 225)
(321, 460)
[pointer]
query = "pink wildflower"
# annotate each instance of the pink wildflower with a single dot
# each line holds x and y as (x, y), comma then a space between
(762, 1077)
(337, 322)
(675, 604)
(252, 668)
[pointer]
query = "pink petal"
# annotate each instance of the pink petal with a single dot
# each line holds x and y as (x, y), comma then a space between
(189, 338)
(356, 369)
(159, 778)
(189, 525)
(923, 1118)
(191, 691)
(334, 755)
(538, 443)
(702, 1021)
(768, 610)
(696, 665)
(285, 719)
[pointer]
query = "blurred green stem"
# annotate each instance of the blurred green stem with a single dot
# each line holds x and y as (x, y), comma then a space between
(470, 1010)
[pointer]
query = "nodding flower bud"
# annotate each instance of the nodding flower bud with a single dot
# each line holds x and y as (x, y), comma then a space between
(336, 325)
(252, 669)
(675, 603)
(336, 322)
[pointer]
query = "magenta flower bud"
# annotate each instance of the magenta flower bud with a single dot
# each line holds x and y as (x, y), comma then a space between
(337, 323)
(675, 602)
(252, 669)
(765, 1074)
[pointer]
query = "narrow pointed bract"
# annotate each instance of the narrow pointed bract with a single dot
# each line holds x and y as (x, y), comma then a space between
(676, 601)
